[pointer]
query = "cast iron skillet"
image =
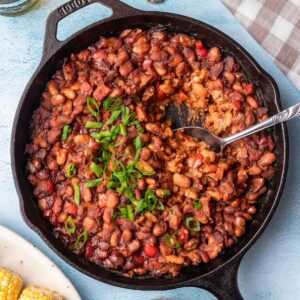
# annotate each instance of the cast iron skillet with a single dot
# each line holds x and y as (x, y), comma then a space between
(218, 276)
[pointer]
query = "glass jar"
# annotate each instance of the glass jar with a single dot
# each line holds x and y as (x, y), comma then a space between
(11, 7)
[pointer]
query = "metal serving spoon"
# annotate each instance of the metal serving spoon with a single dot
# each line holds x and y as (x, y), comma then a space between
(217, 144)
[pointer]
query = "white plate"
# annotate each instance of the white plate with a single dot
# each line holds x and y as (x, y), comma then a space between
(19, 256)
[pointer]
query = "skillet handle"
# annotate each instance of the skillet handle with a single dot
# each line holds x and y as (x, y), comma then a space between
(222, 282)
(51, 43)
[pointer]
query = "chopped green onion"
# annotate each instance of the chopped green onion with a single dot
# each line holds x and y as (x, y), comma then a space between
(197, 205)
(160, 206)
(166, 192)
(93, 125)
(138, 126)
(81, 240)
(92, 183)
(138, 147)
(148, 203)
(130, 213)
(171, 241)
(110, 104)
(123, 129)
(127, 116)
(66, 132)
(77, 194)
(93, 106)
(96, 169)
(114, 116)
(70, 226)
(192, 224)
(70, 171)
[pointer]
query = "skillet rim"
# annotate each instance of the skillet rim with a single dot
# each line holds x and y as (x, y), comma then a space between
(277, 194)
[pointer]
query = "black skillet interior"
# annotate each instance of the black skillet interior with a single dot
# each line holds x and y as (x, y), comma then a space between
(218, 276)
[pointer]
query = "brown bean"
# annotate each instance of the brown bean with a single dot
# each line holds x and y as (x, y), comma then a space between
(181, 180)
(174, 259)
(141, 185)
(126, 68)
(267, 159)
(112, 199)
(133, 246)
(89, 224)
(239, 222)
(165, 249)
(214, 54)
(114, 239)
(159, 229)
(57, 100)
(126, 236)
(61, 156)
(52, 88)
(107, 214)
(69, 93)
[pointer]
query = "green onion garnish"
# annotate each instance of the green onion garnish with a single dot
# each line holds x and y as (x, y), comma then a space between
(96, 169)
(70, 226)
(171, 241)
(114, 116)
(66, 132)
(81, 240)
(70, 171)
(92, 183)
(138, 126)
(93, 106)
(130, 213)
(93, 125)
(123, 129)
(149, 203)
(192, 224)
(197, 205)
(127, 116)
(110, 104)
(138, 147)
(77, 194)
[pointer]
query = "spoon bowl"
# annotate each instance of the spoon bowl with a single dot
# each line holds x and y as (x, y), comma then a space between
(217, 143)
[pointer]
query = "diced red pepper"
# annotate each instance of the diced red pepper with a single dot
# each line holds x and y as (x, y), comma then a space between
(150, 250)
(89, 250)
(199, 44)
(198, 160)
(203, 52)
(161, 95)
(105, 115)
(139, 260)
(70, 208)
(49, 186)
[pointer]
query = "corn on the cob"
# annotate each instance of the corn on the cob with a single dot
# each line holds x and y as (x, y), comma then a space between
(36, 293)
(10, 285)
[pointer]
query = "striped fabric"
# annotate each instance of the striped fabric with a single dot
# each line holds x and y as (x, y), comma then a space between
(275, 24)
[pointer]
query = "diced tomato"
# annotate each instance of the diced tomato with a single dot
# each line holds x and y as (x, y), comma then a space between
(105, 115)
(139, 260)
(150, 250)
(198, 160)
(183, 235)
(266, 141)
(70, 208)
(271, 144)
(161, 95)
(49, 186)
(237, 104)
(89, 250)
(93, 145)
(199, 44)
(203, 52)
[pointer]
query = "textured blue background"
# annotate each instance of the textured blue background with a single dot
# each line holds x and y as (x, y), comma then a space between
(270, 270)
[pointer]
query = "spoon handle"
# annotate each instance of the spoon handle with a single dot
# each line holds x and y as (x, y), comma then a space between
(287, 114)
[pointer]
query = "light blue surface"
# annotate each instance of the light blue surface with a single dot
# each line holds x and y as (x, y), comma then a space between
(271, 268)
